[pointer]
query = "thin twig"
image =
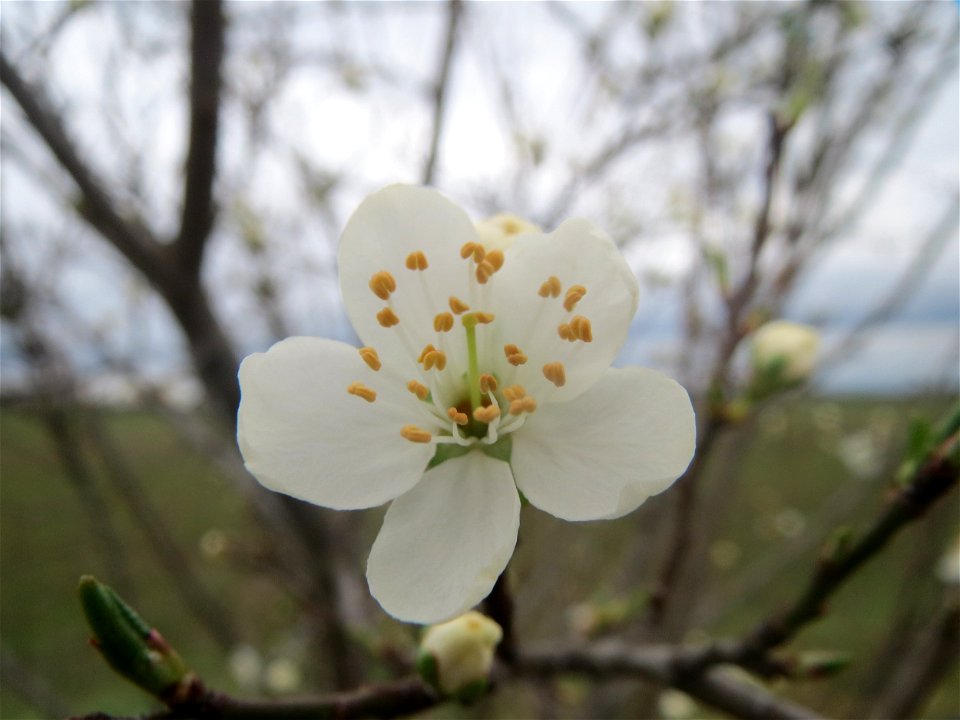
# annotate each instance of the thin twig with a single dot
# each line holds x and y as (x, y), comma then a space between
(454, 10)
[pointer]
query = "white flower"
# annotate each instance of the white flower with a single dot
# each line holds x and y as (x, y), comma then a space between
(485, 371)
(460, 652)
(786, 347)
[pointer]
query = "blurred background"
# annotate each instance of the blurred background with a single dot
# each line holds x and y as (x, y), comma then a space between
(174, 181)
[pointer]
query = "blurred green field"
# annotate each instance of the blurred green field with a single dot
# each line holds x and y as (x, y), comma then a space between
(774, 490)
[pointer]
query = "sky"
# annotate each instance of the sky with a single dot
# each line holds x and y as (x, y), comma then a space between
(373, 138)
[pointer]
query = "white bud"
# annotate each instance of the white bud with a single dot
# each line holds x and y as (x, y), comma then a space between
(458, 654)
(499, 231)
(787, 348)
(948, 569)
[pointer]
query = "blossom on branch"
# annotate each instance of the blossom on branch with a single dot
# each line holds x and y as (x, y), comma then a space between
(486, 370)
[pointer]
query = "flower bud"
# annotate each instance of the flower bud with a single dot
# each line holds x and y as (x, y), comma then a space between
(498, 232)
(784, 353)
(455, 657)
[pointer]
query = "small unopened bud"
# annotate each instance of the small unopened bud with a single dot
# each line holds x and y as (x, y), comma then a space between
(783, 354)
(130, 646)
(499, 231)
(455, 657)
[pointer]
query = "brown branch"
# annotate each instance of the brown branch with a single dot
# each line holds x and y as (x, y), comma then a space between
(454, 11)
(206, 56)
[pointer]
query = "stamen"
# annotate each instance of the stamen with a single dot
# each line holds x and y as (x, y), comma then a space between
(382, 284)
(477, 318)
(573, 296)
(434, 359)
(514, 355)
(580, 327)
(370, 357)
(443, 322)
(361, 390)
(566, 332)
(488, 383)
(427, 349)
(495, 258)
(474, 249)
(551, 288)
(418, 389)
(458, 417)
(415, 434)
(485, 269)
(555, 373)
(457, 305)
(387, 318)
(514, 392)
(417, 261)
(486, 414)
(522, 405)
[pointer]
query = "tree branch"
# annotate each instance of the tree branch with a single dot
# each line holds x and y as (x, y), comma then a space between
(206, 56)
(454, 10)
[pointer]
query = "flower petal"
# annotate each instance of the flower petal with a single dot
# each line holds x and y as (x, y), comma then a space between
(301, 432)
(444, 544)
(576, 253)
(601, 455)
(387, 227)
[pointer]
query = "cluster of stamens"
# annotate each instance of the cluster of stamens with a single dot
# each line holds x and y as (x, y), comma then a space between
(477, 406)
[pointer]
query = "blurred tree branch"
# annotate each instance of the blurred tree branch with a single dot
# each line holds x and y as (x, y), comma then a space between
(440, 88)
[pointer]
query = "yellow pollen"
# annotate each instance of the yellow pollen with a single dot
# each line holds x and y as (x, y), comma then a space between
(443, 322)
(488, 383)
(514, 392)
(458, 417)
(418, 389)
(566, 332)
(573, 296)
(382, 284)
(554, 372)
(486, 414)
(495, 258)
(514, 355)
(476, 318)
(434, 359)
(415, 434)
(370, 357)
(551, 288)
(361, 390)
(472, 249)
(457, 305)
(580, 327)
(417, 261)
(387, 318)
(524, 404)
(427, 349)
(485, 269)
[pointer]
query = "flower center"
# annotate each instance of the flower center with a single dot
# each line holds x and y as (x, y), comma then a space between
(458, 380)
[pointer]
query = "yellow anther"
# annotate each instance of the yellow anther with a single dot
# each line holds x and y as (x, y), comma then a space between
(382, 284)
(573, 296)
(434, 359)
(417, 261)
(370, 357)
(472, 249)
(427, 349)
(361, 390)
(415, 434)
(443, 322)
(555, 373)
(387, 317)
(476, 318)
(514, 355)
(551, 288)
(514, 392)
(486, 414)
(457, 305)
(484, 317)
(524, 404)
(495, 258)
(580, 327)
(458, 417)
(485, 269)
(488, 383)
(566, 332)
(418, 389)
